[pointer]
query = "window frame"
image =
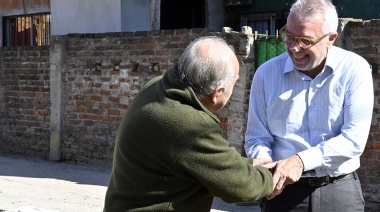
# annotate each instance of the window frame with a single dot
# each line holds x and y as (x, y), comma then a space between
(26, 30)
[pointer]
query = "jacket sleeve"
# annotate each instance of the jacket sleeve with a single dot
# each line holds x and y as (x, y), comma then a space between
(211, 162)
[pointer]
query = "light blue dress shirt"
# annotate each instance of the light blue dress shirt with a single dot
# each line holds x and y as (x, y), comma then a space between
(325, 120)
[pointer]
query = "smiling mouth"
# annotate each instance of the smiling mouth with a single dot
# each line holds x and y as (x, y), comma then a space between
(299, 57)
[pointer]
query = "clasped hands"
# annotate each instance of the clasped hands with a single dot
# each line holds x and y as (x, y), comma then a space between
(285, 172)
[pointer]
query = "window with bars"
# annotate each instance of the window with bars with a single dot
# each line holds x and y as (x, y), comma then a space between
(26, 30)
(263, 23)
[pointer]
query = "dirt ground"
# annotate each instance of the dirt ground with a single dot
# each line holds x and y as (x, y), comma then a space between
(28, 185)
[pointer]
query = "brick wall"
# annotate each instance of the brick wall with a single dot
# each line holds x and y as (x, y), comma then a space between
(21, 4)
(363, 38)
(105, 71)
(101, 73)
(25, 100)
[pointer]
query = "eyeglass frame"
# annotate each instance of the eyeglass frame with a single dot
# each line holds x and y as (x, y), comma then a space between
(312, 41)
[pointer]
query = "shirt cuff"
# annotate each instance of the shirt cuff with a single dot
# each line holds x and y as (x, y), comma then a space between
(310, 158)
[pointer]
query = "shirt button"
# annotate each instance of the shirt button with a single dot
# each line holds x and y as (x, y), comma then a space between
(313, 126)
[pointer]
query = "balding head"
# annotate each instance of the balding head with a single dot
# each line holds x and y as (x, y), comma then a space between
(206, 64)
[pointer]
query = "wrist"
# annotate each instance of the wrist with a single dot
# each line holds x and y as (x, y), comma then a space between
(301, 162)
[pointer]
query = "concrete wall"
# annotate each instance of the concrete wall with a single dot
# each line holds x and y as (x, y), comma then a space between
(136, 15)
(85, 16)
(98, 16)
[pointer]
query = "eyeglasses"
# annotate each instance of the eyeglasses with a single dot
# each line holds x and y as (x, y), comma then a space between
(303, 42)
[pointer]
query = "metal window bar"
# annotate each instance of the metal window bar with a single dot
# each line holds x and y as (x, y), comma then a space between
(28, 30)
(260, 22)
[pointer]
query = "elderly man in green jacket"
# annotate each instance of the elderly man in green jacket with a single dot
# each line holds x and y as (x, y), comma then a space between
(169, 152)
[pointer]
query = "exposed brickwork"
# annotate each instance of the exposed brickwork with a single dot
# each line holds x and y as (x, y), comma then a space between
(15, 4)
(22, 4)
(25, 97)
(36, 2)
(106, 71)
(103, 73)
(363, 38)
(5, 4)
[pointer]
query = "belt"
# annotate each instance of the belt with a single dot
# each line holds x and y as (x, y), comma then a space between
(322, 181)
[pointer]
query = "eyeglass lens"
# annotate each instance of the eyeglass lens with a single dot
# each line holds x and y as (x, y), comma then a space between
(303, 42)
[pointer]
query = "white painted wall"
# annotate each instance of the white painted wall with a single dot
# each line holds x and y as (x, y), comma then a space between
(99, 16)
(85, 16)
(135, 15)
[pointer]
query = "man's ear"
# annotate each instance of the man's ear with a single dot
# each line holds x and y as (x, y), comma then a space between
(216, 93)
(332, 38)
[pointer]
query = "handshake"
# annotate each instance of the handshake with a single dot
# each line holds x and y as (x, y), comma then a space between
(285, 172)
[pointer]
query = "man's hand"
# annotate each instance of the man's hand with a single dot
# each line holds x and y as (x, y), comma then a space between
(261, 161)
(287, 171)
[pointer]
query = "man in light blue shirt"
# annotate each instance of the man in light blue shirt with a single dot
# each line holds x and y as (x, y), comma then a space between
(310, 113)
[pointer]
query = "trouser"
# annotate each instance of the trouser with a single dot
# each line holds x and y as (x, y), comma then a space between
(343, 195)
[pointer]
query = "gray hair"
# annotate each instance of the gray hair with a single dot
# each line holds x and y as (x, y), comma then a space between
(305, 9)
(206, 64)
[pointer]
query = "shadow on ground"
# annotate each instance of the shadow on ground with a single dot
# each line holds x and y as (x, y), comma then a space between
(19, 166)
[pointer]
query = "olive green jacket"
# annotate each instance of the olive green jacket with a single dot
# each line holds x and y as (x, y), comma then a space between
(170, 156)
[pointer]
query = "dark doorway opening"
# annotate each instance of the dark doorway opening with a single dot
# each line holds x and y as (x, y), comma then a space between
(177, 14)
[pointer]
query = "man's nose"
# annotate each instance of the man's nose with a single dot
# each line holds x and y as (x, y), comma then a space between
(294, 46)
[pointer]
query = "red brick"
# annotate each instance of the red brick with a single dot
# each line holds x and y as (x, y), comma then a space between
(78, 110)
(105, 93)
(15, 4)
(79, 85)
(44, 113)
(373, 164)
(95, 117)
(113, 112)
(368, 146)
(123, 106)
(82, 116)
(113, 99)
(36, 2)
(97, 85)
(104, 105)
(105, 79)
(127, 94)
(108, 119)
(162, 52)
(376, 146)
(87, 104)
(375, 128)
(369, 154)
(96, 98)
(114, 86)
(5, 5)
(115, 72)
(222, 119)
